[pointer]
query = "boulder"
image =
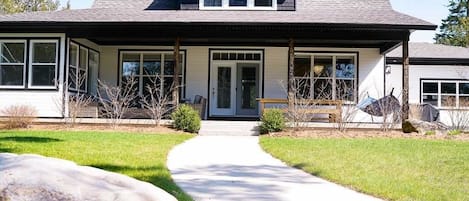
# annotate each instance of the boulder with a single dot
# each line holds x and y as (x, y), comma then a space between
(424, 126)
(36, 178)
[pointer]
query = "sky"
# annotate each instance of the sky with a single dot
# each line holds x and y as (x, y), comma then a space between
(430, 10)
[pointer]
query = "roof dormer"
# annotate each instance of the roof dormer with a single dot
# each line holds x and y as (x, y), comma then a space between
(287, 5)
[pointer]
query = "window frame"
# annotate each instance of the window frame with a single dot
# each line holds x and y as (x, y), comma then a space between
(225, 5)
(31, 63)
(79, 68)
(439, 94)
(142, 75)
(25, 61)
(334, 78)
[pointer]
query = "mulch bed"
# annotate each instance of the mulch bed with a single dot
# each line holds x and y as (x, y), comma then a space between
(362, 133)
(144, 129)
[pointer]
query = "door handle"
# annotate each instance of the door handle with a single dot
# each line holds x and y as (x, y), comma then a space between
(213, 92)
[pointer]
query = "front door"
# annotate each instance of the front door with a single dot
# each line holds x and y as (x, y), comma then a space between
(223, 90)
(234, 89)
(247, 89)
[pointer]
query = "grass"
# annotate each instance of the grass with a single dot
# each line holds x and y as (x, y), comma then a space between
(393, 169)
(142, 156)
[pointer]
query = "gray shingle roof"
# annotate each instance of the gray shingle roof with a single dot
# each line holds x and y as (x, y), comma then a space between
(376, 12)
(429, 50)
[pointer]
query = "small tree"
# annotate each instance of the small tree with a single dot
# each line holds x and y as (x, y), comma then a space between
(158, 103)
(116, 100)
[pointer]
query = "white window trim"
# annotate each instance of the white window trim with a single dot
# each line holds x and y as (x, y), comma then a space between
(141, 75)
(77, 57)
(16, 64)
(31, 64)
(439, 94)
(334, 78)
(226, 6)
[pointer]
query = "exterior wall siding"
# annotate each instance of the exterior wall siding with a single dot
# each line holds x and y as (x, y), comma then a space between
(418, 72)
(48, 103)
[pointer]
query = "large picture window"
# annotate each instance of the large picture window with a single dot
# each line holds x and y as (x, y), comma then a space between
(146, 67)
(239, 4)
(445, 93)
(43, 63)
(12, 63)
(326, 76)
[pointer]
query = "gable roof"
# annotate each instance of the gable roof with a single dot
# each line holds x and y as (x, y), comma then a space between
(368, 13)
(430, 50)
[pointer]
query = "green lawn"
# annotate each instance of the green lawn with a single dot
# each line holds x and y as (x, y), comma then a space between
(142, 156)
(394, 169)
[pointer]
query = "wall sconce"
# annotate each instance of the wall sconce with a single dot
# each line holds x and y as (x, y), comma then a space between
(387, 70)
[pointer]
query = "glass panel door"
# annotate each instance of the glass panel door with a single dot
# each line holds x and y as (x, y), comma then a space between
(222, 94)
(224, 87)
(248, 89)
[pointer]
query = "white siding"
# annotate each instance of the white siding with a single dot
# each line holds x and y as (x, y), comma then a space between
(47, 103)
(196, 71)
(418, 72)
(276, 72)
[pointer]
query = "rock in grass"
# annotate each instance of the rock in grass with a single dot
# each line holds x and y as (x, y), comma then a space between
(423, 127)
(37, 178)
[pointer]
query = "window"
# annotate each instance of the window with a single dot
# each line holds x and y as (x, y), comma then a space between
(78, 68)
(12, 63)
(43, 65)
(326, 76)
(147, 67)
(239, 4)
(445, 93)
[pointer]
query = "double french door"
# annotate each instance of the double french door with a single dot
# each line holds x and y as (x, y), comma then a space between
(234, 89)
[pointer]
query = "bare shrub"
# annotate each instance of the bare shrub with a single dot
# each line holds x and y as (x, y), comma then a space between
(19, 116)
(458, 113)
(158, 103)
(116, 100)
(78, 101)
(299, 110)
(346, 92)
(390, 108)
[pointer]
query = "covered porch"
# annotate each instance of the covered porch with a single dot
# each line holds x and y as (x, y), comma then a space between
(229, 65)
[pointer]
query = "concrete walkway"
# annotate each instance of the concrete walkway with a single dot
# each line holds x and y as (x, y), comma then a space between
(236, 168)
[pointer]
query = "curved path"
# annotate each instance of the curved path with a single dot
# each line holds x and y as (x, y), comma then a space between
(236, 168)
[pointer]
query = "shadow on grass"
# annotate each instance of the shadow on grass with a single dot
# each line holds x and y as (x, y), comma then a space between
(151, 174)
(302, 166)
(30, 139)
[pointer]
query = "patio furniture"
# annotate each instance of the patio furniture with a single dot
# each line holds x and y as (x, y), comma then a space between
(332, 108)
(199, 104)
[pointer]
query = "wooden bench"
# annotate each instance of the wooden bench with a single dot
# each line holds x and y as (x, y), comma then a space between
(333, 108)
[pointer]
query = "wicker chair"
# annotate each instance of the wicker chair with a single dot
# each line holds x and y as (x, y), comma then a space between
(199, 105)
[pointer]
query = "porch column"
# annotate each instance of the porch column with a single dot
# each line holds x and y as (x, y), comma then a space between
(291, 69)
(405, 80)
(176, 81)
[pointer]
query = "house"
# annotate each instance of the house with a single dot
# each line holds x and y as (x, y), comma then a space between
(438, 75)
(230, 51)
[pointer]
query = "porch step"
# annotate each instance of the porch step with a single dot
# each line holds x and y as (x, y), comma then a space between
(229, 128)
